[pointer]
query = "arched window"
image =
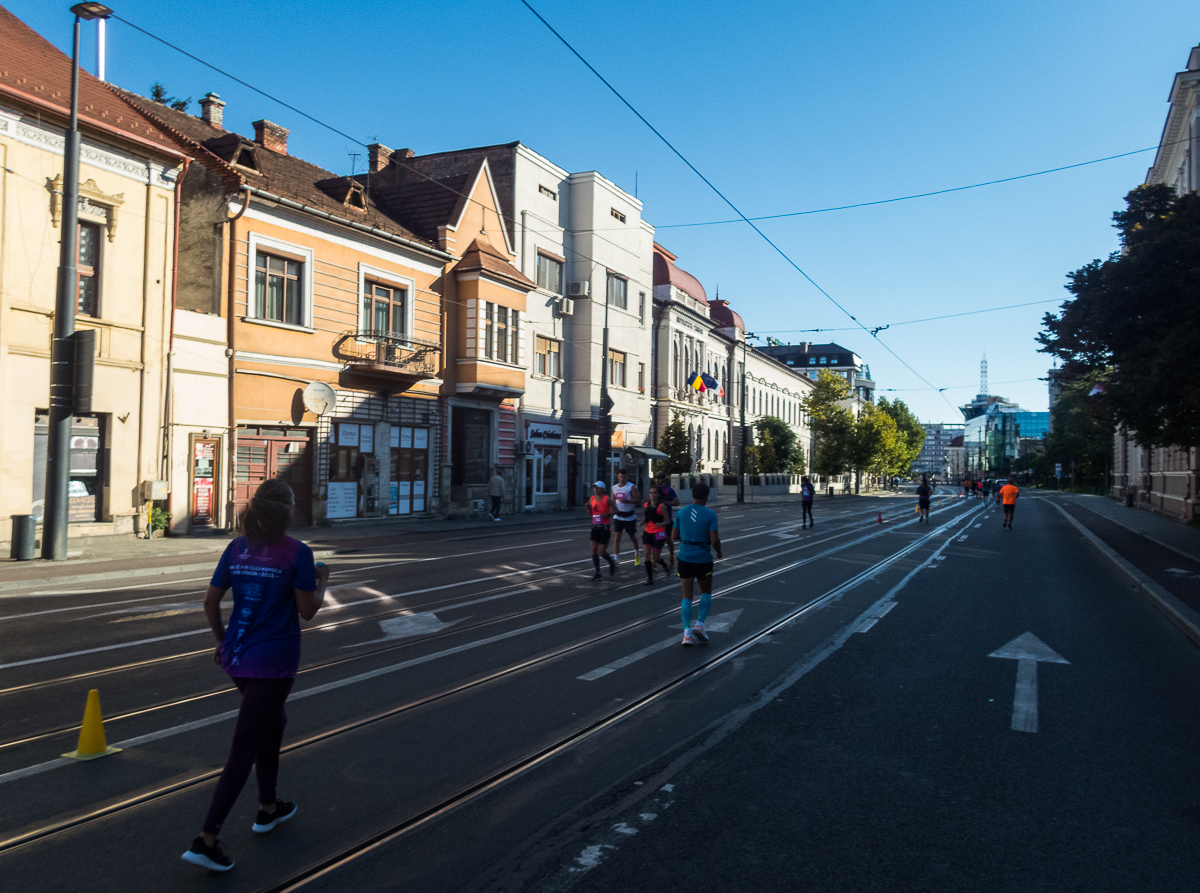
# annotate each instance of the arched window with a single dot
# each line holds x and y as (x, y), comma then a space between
(691, 440)
(675, 362)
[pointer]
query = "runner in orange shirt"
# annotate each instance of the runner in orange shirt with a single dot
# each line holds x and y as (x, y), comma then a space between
(1008, 495)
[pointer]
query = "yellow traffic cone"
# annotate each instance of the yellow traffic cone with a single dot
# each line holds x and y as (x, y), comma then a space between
(917, 509)
(91, 735)
(939, 503)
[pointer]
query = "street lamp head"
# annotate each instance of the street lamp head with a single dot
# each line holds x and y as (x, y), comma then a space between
(91, 11)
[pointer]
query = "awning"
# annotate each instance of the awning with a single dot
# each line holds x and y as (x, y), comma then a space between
(648, 452)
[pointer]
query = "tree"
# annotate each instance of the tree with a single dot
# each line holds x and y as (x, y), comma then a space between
(158, 93)
(766, 460)
(787, 455)
(674, 442)
(1135, 319)
(832, 424)
(910, 436)
(1080, 437)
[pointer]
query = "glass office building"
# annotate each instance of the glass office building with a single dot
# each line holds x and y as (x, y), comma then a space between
(992, 441)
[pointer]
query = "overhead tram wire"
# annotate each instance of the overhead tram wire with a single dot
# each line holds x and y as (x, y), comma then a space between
(874, 334)
(910, 322)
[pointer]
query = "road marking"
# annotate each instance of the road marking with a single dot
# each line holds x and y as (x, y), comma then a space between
(443, 557)
(963, 537)
(42, 660)
(874, 617)
(720, 623)
(1027, 650)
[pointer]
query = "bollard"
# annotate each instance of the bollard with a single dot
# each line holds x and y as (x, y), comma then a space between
(24, 532)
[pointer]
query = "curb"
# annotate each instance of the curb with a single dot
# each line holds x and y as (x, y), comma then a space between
(1157, 542)
(1179, 613)
(46, 582)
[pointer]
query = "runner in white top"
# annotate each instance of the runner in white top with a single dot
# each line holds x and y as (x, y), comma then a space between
(626, 498)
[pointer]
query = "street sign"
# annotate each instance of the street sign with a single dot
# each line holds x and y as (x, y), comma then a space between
(1058, 469)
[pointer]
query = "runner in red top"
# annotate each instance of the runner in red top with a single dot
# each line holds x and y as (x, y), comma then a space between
(600, 507)
(654, 533)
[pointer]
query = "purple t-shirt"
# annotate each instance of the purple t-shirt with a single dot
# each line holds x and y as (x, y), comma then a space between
(262, 640)
(667, 494)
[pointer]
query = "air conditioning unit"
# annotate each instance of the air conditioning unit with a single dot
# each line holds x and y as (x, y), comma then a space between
(525, 447)
(565, 306)
(579, 289)
(477, 505)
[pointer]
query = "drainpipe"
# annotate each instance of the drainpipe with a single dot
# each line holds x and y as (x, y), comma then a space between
(169, 402)
(231, 353)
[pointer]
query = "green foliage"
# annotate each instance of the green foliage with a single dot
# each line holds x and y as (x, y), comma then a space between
(832, 424)
(875, 444)
(910, 436)
(159, 94)
(1135, 319)
(1081, 435)
(160, 519)
(779, 450)
(674, 443)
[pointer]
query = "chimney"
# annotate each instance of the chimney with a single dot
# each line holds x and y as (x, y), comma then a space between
(805, 346)
(378, 156)
(271, 136)
(405, 153)
(212, 110)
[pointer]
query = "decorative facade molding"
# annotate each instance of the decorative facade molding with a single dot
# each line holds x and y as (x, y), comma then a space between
(93, 202)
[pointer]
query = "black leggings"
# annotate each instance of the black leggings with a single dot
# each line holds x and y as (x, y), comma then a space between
(807, 516)
(256, 741)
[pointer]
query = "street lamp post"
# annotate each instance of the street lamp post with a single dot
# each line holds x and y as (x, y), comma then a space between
(62, 347)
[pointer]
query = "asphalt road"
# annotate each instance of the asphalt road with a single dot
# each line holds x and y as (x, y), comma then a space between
(475, 713)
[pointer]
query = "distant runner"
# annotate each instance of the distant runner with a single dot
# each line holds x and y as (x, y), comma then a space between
(626, 498)
(654, 534)
(599, 507)
(967, 487)
(807, 491)
(1008, 495)
(924, 491)
(671, 500)
(696, 531)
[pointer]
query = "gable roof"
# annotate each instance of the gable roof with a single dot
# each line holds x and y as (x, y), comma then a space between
(278, 173)
(34, 73)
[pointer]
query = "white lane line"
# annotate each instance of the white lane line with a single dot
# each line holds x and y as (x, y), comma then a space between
(875, 617)
(721, 623)
(119, 645)
(62, 593)
(444, 557)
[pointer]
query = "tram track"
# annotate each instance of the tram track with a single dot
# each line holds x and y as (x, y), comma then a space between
(732, 563)
(525, 762)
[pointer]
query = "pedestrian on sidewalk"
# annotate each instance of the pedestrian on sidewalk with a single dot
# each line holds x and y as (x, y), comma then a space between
(274, 583)
(671, 500)
(1008, 496)
(600, 507)
(807, 491)
(696, 531)
(496, 492)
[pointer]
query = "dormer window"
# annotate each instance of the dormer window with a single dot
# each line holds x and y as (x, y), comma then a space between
(356, 199)
(245, 159)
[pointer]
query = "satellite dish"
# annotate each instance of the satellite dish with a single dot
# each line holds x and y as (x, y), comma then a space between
(319, 398)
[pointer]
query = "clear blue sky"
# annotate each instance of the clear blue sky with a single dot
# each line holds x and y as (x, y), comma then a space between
(784, 107)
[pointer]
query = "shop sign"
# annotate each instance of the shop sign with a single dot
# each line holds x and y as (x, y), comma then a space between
(204, 481)
(544, 434)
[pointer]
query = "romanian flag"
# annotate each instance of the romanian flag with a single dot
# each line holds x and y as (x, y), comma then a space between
(696, 380)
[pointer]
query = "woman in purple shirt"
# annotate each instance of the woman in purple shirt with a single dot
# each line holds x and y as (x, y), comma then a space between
(274, 584)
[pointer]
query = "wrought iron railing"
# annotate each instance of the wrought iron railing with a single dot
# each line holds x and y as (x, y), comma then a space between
(388, 349)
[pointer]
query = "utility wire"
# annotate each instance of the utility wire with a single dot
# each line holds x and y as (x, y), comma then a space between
(721, 195)
(910, 322)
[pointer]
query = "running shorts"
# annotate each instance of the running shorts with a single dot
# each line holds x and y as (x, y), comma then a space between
(1008, 509)
(688, 569)
(600, 535)
(923, 503)
(657, 540)
(629, 526)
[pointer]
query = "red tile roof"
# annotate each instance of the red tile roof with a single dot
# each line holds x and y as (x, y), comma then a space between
(665, 272)
(35, 74)
(483, 256)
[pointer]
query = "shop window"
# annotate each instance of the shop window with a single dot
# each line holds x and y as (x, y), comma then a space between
(546, 470)
(471, 446)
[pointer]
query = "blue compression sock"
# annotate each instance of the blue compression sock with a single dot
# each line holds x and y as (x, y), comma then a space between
(705, 604)
(686, 613)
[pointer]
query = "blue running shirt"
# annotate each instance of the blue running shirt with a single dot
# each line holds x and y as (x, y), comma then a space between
(695, 523)
(262, 640)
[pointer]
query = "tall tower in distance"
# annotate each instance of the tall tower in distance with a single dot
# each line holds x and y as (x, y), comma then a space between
(983, 388)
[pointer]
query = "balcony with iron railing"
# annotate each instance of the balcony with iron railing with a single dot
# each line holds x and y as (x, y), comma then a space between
(396, 357)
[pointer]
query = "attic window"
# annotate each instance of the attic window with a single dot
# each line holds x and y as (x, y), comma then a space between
(355, 198)
(549, 193)
(617, 215)
(245, 158)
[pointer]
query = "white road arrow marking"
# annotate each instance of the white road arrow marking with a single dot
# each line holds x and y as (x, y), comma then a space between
(1027, 650)
(408, 625)
(718, 623)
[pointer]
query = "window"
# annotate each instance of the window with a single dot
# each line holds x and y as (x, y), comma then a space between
(549, 274)
(812, 361)
(277, 289)
(546, 469)
(618, 291)
(384, 309)
(642, 307)
(500, 334)
(547, 360)
(642, 377)
(87, 270)
(617, 215)
(616, 368)
(549, 193)
(822, 361)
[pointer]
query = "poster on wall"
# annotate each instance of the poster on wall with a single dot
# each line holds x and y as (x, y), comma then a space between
(393, 497)
(395, 437)
(347, 435)
(366, 439)
(343, 500)
(406, 438)
(204, 480)
(404, 497)
(418, 503)
(421, 438)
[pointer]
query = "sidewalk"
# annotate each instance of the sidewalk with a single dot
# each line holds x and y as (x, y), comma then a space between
(1173, 535)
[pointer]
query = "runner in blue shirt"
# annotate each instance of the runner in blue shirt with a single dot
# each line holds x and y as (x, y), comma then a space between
(274, 584)
(696, 532)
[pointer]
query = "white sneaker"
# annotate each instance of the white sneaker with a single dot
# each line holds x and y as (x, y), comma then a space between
(687, 637)
(699, 632)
